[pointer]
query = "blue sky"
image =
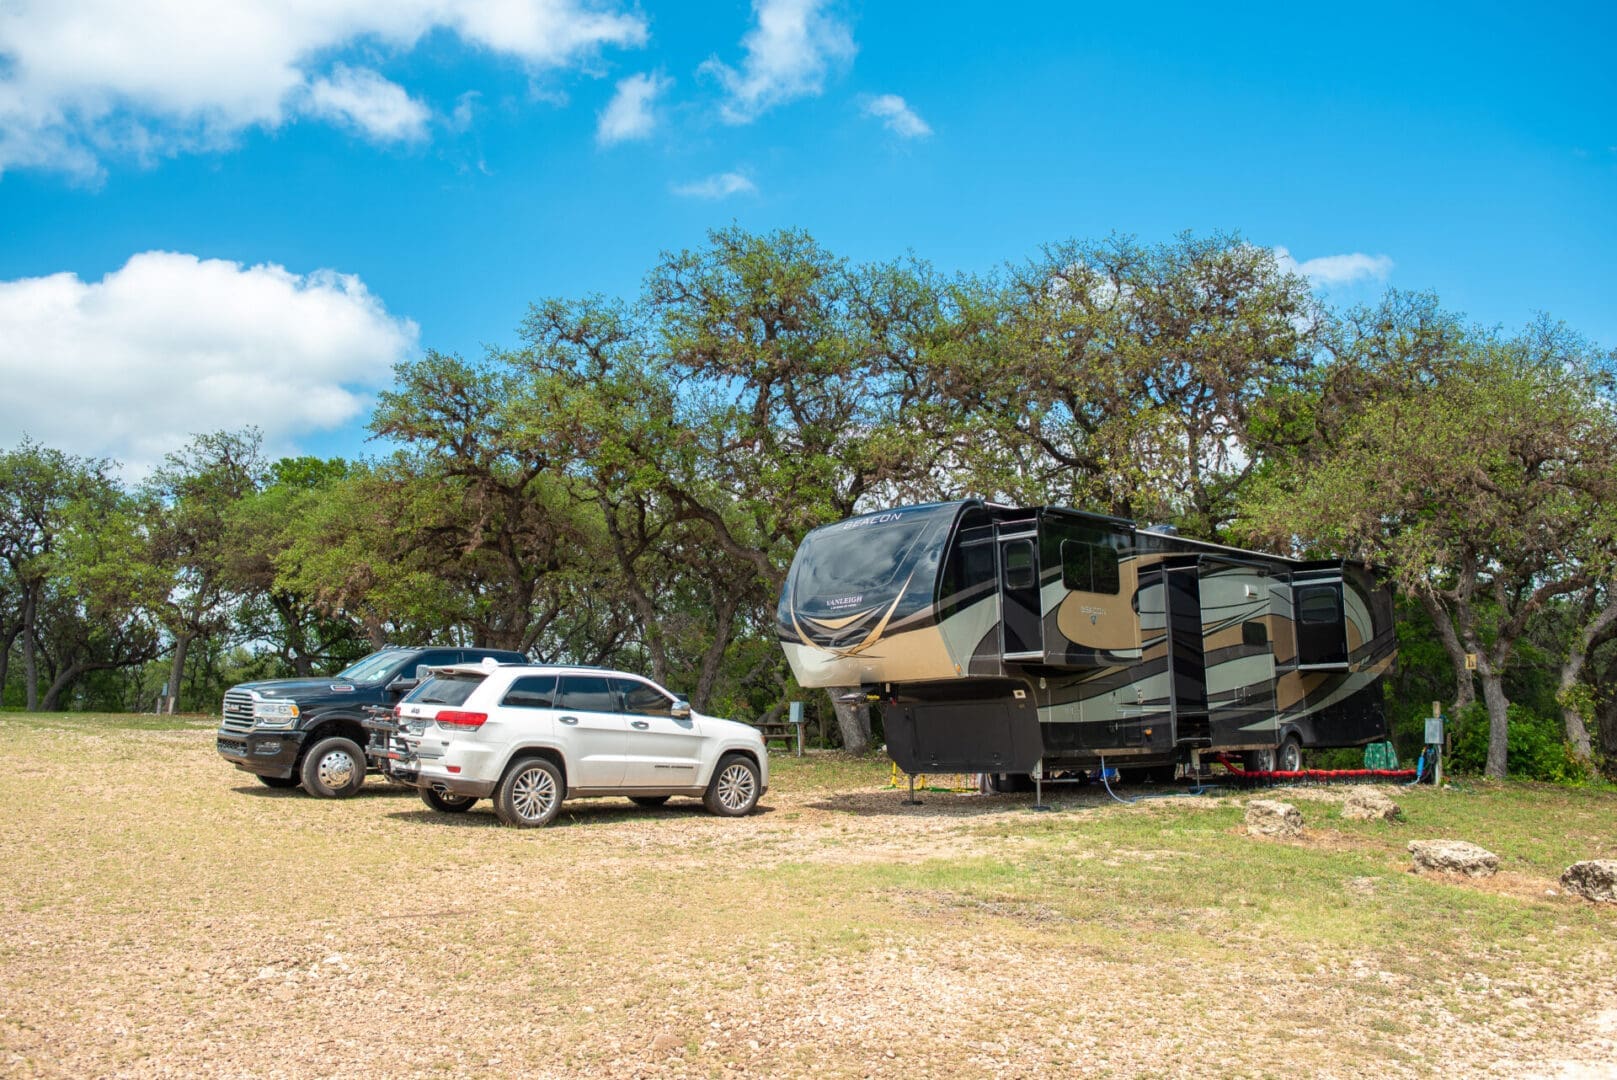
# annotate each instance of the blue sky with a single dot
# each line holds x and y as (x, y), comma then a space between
(346, 185)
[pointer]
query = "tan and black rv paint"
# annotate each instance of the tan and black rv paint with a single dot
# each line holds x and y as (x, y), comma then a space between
(1012, 641)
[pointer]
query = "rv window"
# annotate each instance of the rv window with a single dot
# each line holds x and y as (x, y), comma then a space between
(1254, 633)
(1089, 568)
(1019, 565)
(861, 560)
(1319, 605)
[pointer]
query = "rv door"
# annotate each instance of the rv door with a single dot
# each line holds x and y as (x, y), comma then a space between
(1021, 632)
(1321, 623)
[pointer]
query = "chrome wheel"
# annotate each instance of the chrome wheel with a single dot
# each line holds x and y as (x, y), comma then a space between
(737, 788)
(533, 793)
(336, 769)
(1289, 758)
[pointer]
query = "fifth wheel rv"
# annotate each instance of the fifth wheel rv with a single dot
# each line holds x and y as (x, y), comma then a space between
(1041, 640)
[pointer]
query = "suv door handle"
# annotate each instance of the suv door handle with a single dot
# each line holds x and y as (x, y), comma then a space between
(641, 724)
(569, 719)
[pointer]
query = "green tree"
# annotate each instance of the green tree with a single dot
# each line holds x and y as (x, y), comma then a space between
(194, 496)
(1146, 381)
(1483, 478)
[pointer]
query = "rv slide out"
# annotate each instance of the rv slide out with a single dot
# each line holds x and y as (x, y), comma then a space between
(1037, 640)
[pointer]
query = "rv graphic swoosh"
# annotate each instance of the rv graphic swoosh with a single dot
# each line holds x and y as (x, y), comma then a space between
(870, 639)
(837, 624)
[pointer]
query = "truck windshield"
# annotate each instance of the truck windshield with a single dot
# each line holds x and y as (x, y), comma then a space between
(374, 667)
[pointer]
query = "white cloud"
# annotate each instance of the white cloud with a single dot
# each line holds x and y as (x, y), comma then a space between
(629, 114)
(790, 50)
(717, 186)
(1328, 270)
(897, 116)
(84, 78)
(169, 345)
(362, 98)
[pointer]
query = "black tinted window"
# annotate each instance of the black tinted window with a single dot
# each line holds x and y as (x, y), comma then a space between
(643, 699)
(1019, 565)
(446, 689)
(1254, 633)
(1321, 604)
(588, 693)
(532, 692)
(870, 555)
(1089, 568)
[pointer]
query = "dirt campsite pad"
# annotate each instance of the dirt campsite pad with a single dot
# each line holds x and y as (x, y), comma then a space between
(166, 916)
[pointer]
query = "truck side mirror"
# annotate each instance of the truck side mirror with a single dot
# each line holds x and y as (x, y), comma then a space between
(402, 685)
(680, 709)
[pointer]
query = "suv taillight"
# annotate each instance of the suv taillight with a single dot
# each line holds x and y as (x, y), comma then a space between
(455, 718)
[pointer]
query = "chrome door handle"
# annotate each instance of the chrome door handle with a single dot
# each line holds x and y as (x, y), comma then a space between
(569, 719)
(641, 724)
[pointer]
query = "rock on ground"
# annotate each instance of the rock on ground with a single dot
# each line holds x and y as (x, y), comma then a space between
(1453, 857)
(1269, 817)
(1595, 879)
(1369, 804)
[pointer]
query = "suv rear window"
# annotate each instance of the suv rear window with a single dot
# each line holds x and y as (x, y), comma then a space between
(588, 693)
(447, 689)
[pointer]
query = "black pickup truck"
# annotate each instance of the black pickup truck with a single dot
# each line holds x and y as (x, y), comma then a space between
(289, 732)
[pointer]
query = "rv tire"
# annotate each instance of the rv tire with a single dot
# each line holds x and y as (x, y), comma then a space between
(1289, 758)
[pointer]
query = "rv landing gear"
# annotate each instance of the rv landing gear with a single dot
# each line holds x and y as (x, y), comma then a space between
(912, 800)
(1038, 793)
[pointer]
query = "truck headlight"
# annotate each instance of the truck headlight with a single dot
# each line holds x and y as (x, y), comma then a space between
(274, 714)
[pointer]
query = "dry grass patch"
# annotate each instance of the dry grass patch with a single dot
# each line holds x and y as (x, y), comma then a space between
(167, 916)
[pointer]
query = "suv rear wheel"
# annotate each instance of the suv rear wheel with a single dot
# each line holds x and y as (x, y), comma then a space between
(733, 791)
(530, 794)
(447, 802)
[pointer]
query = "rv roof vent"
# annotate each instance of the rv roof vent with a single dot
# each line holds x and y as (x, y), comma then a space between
(1165, 530)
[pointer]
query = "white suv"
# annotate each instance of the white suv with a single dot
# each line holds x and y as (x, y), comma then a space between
(529, 737)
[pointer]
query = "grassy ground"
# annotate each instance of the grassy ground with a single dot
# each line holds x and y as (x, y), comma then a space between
(166, 915)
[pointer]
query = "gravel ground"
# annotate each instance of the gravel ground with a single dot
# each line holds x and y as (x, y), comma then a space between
(165, 916)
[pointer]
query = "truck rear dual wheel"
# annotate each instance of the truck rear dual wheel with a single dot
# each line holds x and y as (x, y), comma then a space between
(333, 768)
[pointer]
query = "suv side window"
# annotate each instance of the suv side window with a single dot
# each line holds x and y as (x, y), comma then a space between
(642, 698)
(588, 693)
(532, 692)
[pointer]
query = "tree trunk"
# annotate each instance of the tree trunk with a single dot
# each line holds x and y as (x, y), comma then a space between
(853, 718)
(1464, 684)
(182, 645)
(8, 638)
(376, 632)
(30, 666)
(1493, 695)
(1577, 728)
(63, 681)
(713, 658)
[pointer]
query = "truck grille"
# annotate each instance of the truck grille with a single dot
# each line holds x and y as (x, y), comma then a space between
(238, 712)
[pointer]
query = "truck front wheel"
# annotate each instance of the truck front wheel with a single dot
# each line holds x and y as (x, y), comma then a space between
(333, 768)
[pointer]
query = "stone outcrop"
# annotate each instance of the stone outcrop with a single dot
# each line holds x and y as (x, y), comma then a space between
(1369, 804)
(1595, 879)
(1268, 817)
(1453, 857)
